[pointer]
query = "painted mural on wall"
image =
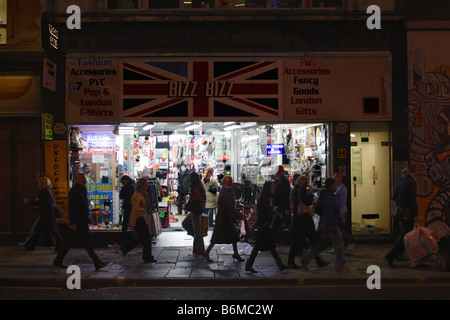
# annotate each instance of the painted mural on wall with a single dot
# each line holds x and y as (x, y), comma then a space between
(429, 128)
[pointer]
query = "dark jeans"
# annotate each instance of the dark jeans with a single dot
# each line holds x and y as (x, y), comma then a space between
(302, 229)
(39, 228)
(144, 237)
(405, 226)
(193, 225)
(333, 232)
(281, 220)
(181, 200)
(79, 237)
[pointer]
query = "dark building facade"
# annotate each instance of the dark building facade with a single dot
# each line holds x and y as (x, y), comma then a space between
(306, 64)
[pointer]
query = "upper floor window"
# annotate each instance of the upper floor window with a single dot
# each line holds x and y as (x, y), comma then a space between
(165, 4)
(221, 4)
(327, 3)
(123, 4)
(3, 21)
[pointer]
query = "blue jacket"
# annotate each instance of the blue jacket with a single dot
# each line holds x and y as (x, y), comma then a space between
(328, 208)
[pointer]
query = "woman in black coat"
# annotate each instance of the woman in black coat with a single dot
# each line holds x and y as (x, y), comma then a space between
(46, 225)
(225, 231)
(265, 239)
(302, 223)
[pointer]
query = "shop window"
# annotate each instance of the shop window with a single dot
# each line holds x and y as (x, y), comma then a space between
(196, 4)
(326, 3)
(166, 4)
(3, 21)
(122, 4)
(248, 151)
(286, 3)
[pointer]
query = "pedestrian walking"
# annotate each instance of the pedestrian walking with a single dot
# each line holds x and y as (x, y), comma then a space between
(182, 187)
(302, 224)
(139, 223)
(125, 194)
(45, 224)
(78, 232)
(211, 186)
(281, 201)
(225, 230)
(329, 227)
(341, 196)
(193, 222)
(265, 238)
(405, 195)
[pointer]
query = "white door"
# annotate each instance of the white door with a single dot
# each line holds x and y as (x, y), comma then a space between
(370, 182)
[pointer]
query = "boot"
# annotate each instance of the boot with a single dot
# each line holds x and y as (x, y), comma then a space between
(250, 261)
(277, 257)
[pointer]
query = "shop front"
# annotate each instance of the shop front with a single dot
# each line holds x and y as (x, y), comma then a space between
(146, 116)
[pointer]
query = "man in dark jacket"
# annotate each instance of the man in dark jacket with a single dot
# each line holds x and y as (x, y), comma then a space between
(405, 193)
(280, 201)
(182, 187)
(78, 224)
(329, 226)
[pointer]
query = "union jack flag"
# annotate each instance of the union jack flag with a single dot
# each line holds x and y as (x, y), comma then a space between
(205, 90)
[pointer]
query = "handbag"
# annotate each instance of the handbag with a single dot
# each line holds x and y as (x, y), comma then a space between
(192, 205)
(212, 189)
(303, 208)
(59, 213)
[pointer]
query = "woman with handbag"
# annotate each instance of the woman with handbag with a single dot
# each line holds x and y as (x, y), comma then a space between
(211, 186)
(265, 239)
(46, 223)
(302, 223)
(196, 206)
(225, 231)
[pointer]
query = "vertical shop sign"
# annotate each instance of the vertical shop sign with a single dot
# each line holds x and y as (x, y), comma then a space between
(56, 169)
(47, 126)
(92, 89)
(49, 77)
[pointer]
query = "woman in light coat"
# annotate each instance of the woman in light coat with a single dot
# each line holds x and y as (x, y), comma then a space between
(211, 187)
(138, 221)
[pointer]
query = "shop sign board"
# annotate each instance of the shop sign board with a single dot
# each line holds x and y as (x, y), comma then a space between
(334, 88)
(92, 90)
(56, 168)
(103, 89)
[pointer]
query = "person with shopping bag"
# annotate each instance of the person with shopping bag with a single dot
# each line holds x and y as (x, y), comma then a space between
(405, 194)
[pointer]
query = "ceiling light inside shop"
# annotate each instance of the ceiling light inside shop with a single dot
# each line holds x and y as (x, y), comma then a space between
(148, 126)
(126, 131)
(194, 126)
(235, 126)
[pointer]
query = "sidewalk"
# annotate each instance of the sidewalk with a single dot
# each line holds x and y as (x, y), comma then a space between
(177, 266)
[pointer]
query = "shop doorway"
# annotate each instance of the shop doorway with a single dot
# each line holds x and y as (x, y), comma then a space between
(370, 178)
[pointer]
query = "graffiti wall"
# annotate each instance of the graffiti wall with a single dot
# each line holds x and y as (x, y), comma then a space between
(429, 125)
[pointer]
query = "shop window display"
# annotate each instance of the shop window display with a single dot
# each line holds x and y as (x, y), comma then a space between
(247, 151)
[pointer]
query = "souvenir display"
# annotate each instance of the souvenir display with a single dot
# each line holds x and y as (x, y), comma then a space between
(249, 152)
